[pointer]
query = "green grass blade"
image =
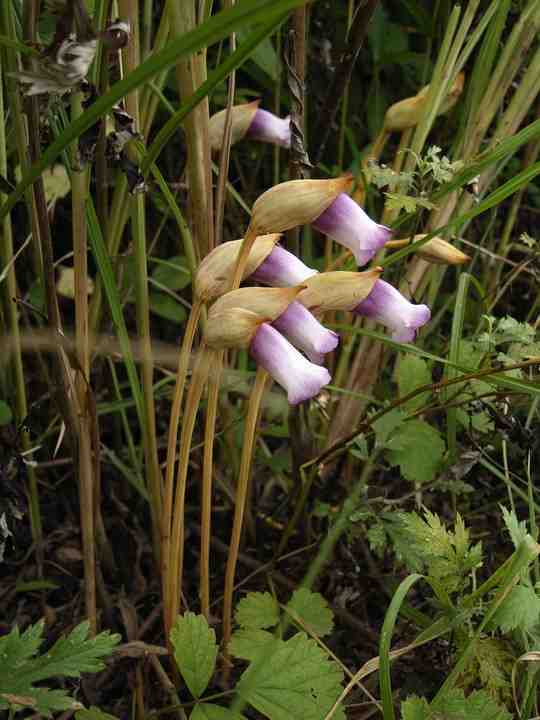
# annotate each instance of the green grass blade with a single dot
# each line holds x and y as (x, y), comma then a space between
(103, 263)
(455, 340)
(385, 643)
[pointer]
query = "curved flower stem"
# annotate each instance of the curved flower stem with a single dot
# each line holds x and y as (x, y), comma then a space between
(181, 373)
(206, 499)
(174, 574)
(249, 239)
(250, 430)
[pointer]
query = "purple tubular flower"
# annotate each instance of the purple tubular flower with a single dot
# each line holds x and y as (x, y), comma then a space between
(346, 223)
(282, 269)
(387, 306)
(306, 332)
(268, 127)
(300, 378)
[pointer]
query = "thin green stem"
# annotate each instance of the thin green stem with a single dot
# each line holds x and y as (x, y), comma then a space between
(131, 54)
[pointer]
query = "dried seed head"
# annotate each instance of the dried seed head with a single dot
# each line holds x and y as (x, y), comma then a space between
(215, 271)
(241, 118)
(296, 202)
(338, 290)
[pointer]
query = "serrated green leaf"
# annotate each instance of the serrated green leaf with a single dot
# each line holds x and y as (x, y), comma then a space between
(173, 273)
(396, 202)
(476, 706)
(517, 529)
(195, 651)
(418, 449)
(292, 680)
(209, 711)
(386, 425)
(257, 611)
(69, 657)
(520, 609)
(490, 667)
(167, 307)
(6, 415)
(42, 700)
(247, 643)
(413, 372)
(313, 609)
(427, 543)
(415, 708)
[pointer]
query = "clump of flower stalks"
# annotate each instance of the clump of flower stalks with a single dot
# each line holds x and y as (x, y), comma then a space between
(279, 325)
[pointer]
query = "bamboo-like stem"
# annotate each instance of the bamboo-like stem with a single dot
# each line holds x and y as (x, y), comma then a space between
(65, 391)
(206, 494)
(178, 394)
(250, 431)
(174, 575)
(191, 73)
(79, 185)
(12, 323)
(119, 213)
(131, 56)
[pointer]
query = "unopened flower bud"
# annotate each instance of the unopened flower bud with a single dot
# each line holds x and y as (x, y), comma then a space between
(338, 290)
(248, 120)
(295, 202)
(436, 250)
(215, 271)
(407, 113)
(440, 252)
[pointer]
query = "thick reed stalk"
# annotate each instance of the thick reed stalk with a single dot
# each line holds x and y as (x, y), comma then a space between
(191, 73)
(250, 431)
(206, 494)
(79, 185)
(226, 148)
(176, 409)
(119, 213)
(175, 570)
(131, 56)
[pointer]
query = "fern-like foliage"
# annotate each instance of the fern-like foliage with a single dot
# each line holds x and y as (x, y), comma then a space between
(21, 667)
(427, 545)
